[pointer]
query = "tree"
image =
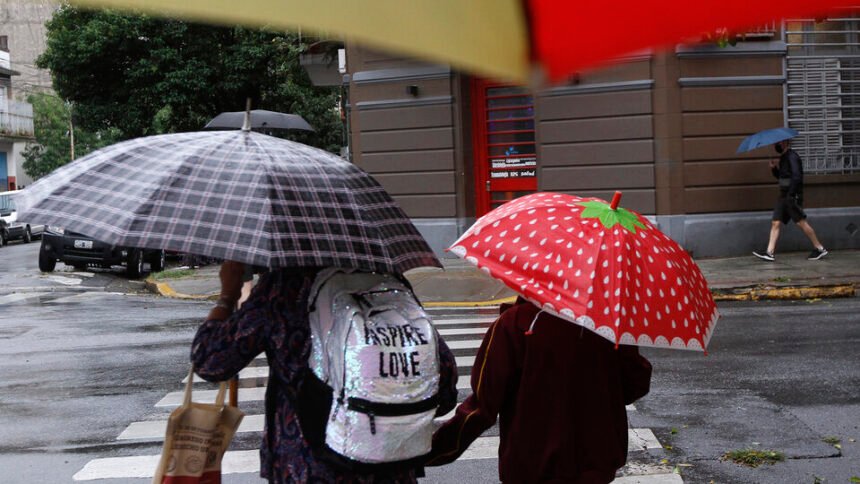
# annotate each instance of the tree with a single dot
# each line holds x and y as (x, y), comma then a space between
(55, 136)
(141, 75)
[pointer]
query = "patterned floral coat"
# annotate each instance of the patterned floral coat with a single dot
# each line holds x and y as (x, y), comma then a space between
(274, 320)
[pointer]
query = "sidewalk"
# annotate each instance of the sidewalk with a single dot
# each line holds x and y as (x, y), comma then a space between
(736, 278)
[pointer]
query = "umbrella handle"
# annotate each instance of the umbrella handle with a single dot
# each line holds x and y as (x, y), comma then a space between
(233, 400)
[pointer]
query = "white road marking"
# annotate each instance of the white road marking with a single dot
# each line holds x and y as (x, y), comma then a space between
(19, 296)
(66, 281)
(661, 478)
(84, 296)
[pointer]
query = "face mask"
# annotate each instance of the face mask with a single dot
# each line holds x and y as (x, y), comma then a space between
(778, 147)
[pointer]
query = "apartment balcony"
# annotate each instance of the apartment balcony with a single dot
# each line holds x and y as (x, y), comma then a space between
(16, 120)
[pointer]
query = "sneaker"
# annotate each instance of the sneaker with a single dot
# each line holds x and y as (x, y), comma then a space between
(765, 255)
(817, 254)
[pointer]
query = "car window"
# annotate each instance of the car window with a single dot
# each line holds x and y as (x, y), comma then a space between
(6, 203)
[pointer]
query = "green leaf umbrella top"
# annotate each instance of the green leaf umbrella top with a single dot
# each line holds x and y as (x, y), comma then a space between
(610, 217)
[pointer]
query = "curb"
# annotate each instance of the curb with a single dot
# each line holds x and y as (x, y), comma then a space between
(164, 289)
(748, 293)
(756, 293)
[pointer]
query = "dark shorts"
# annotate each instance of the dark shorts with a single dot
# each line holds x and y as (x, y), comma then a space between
(788, 208)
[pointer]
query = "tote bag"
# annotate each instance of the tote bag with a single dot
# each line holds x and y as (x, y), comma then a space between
(197, 436)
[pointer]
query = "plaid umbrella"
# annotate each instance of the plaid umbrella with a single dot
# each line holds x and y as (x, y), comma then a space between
(234, 195)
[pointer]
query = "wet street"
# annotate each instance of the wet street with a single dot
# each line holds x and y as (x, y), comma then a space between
(90, 367)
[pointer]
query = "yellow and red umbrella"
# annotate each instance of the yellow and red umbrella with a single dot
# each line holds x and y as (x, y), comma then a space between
(595, 264)
(515, 40)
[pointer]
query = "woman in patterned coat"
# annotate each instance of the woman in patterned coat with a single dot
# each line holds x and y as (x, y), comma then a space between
(274, 320)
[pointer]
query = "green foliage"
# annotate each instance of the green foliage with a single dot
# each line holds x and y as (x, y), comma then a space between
(52, 147)
(144, 76)
(609, 217)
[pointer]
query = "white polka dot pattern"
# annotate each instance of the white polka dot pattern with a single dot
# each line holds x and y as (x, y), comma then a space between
(631, 287)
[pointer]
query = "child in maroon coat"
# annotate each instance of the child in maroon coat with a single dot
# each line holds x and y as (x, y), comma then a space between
(559, 392)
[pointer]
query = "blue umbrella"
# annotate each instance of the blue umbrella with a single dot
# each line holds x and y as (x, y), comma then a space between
(766, 137)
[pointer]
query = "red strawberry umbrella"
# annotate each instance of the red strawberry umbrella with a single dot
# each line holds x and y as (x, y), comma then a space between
(595, 264)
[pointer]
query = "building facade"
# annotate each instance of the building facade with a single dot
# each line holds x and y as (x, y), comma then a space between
(662, 127)
(16, 126)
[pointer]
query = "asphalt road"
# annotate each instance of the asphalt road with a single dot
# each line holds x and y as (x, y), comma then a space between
(81, 361)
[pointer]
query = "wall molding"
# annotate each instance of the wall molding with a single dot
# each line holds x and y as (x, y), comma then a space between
(742, 49)
(731, 81)
(403, 103)
(401, 74)
(599, 88)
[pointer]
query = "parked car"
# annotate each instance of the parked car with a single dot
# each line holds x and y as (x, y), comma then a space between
(81, 251)
(10, 227)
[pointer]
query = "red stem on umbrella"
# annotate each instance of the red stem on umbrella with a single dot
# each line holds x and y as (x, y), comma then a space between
(615, 200)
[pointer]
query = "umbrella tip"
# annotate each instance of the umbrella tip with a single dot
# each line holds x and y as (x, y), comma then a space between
(246, 125)
(615, 200)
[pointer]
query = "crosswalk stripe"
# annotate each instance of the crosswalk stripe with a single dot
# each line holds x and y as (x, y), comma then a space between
(462, 331)
(469, 344)
(174, 399)
(248, 461)
(450, 322)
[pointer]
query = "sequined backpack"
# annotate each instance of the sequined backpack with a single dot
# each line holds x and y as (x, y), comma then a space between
(369, 396)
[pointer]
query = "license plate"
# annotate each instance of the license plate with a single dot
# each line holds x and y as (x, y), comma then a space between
(83, 244)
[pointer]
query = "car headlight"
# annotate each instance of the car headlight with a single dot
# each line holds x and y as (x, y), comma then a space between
(56, 230)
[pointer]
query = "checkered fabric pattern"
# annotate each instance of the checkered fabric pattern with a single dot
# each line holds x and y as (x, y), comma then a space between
(231, 195)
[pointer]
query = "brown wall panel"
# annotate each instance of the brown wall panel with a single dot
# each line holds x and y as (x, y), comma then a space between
(360, 58)
(417, 139)
(396, 90)
(631, 127)
(731, 66)
(731, 98)
(427, 206)
(618, 72)
(404, 117)
(594, 105)
(730, 199)
(737, 122)
(416, 183)
(734, 172)
(614, 177)
(408, 161)
(634, 151)
(722, 148)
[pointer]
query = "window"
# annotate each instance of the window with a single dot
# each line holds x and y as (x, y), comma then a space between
(823, 92)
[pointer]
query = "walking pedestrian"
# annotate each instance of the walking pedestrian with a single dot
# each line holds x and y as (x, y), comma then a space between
(789, 206)
(559, 391)
(274, 320)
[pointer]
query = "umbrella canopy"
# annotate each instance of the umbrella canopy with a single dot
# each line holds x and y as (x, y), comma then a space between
(766, 137)
(259, 119)
(507, 39)
(234, 195)
(597, 265)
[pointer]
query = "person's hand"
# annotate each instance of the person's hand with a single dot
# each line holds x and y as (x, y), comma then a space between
(231, 281)
(773, 163)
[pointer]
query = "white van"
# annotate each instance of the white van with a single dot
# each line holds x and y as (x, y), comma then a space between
(10, 227)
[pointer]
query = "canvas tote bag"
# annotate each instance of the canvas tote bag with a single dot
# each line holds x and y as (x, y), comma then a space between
(197, 436)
